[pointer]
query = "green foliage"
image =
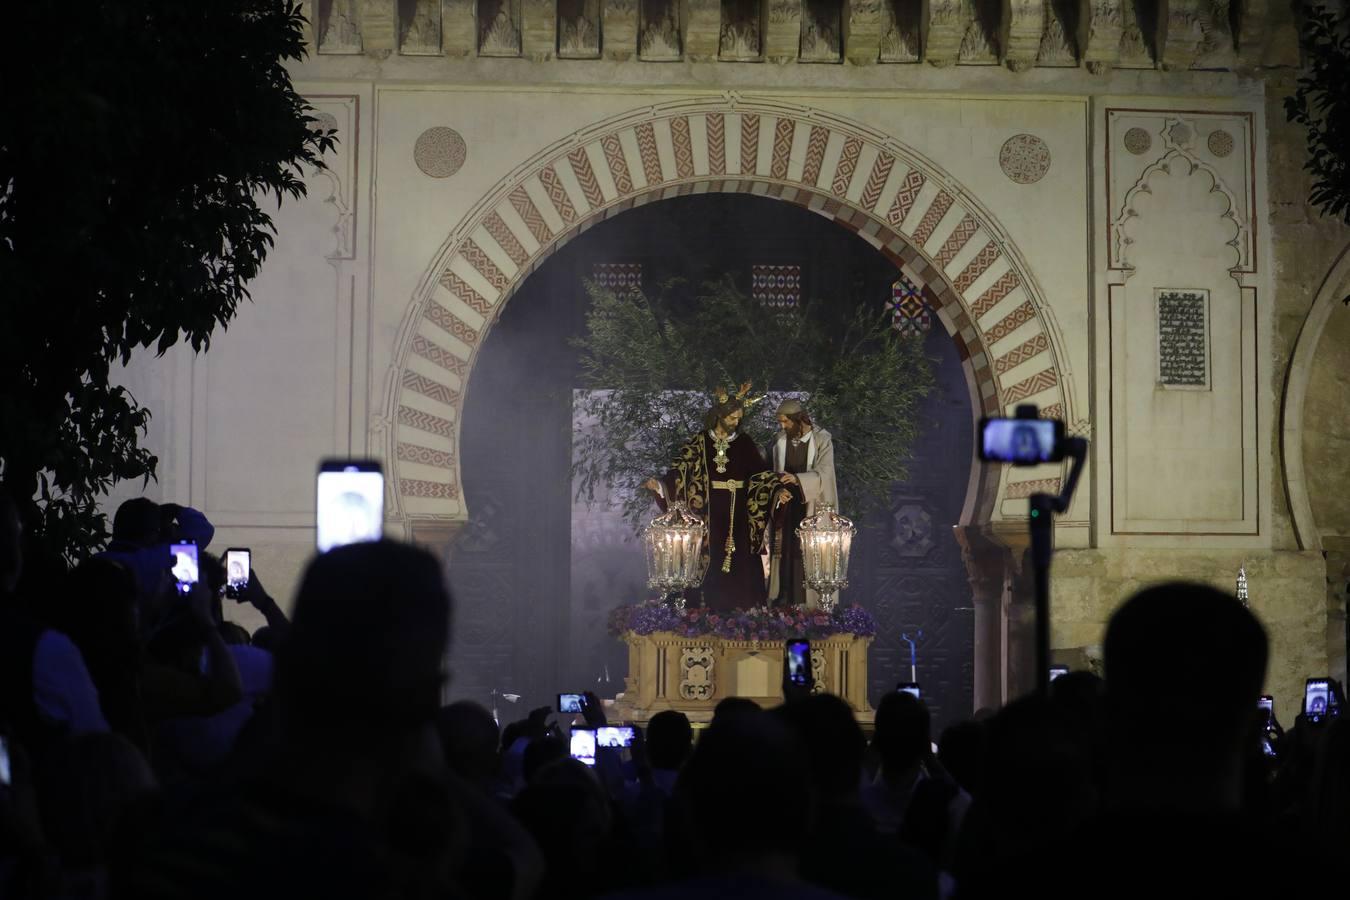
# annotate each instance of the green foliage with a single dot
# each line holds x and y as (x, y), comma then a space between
(1321, 103)
(140, 141)
(653, 361)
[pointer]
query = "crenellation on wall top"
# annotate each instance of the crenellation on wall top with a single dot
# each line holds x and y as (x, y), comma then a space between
(1018, 35)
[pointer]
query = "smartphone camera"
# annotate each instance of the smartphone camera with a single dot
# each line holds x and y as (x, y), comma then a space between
(350, 503)
(1021, 441)
(570, 704)
(238, 570)
(1317, 699)
(583, 745)
(911, 688)
(799, 663)
(616, 737)
(183, 565)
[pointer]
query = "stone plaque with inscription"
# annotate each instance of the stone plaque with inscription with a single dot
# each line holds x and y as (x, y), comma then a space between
(1183, 338)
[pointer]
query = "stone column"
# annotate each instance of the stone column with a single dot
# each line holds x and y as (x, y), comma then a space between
(1020, 630)
(986, 563)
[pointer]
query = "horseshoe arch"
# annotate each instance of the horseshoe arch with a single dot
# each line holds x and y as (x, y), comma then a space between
(903, 204)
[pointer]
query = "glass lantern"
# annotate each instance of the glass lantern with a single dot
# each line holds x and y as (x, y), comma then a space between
(826, 539)
(674, 545)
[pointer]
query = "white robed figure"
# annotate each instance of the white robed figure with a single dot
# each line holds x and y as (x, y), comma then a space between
(803, 454)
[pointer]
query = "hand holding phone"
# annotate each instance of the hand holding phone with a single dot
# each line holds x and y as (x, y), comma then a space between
(797, 676)
(183, 565)
(583, 745)
(1021, 441)
(238, 572)
(1317, 699)
(614, 736)
(350, 502)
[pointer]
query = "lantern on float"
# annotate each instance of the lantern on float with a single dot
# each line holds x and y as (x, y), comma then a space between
(674, 545)
(826, 539)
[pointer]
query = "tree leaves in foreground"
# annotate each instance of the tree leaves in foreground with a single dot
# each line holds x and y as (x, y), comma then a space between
(651, 363)
(139, 142)
(1321, 103)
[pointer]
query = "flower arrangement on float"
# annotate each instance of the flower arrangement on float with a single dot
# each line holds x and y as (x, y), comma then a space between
(758, 624)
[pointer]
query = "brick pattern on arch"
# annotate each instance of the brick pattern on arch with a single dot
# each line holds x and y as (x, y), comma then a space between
(910, 211)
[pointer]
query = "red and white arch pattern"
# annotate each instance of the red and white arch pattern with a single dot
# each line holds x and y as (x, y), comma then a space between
(902, 204)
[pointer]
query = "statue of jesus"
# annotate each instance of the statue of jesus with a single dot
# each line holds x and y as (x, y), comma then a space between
(722, 477)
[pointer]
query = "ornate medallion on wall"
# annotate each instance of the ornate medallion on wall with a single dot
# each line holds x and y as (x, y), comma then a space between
(1220, 143)
(440, 151)
(913, 530)
(1138, 141)
(1024, 158)
(323, 121)
(1179, 135)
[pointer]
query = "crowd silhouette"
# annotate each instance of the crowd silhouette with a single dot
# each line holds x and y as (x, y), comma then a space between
(154, 750)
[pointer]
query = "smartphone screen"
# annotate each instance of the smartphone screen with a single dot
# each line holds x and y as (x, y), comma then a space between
(616, 736)
(350, 505)
(799, 662)
(911, 688)
(1022, 442)
(1056, 671)
(1316, 698)
(183, 559)
(238, 569)
(569, 703)
(583, 745)
(6, 776)
(1267, 703)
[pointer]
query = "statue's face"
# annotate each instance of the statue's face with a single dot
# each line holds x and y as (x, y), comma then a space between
(731, 421)
(793, 429)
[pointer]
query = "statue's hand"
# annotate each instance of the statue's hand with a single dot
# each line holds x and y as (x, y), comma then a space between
(788, 478)
(652, 485)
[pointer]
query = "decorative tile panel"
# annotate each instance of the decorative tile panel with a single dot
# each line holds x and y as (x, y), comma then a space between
(502, 234)
(848, 162)
(778, 287)
(590, 185)
(881, 170)
(1006, 284)
(977, 266)
(525, 208)
(425, 421)
(904, 198)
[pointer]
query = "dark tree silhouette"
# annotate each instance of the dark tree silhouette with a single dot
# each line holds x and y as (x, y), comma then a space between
(1321, 103)
(140, 144)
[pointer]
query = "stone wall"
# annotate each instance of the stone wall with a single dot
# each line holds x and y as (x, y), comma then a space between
(430, 129)
(1287, 594)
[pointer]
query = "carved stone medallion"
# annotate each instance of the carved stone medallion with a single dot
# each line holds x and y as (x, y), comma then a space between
(1024, 158)
(1138, 141)
(1220, 143)
(440, 151)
